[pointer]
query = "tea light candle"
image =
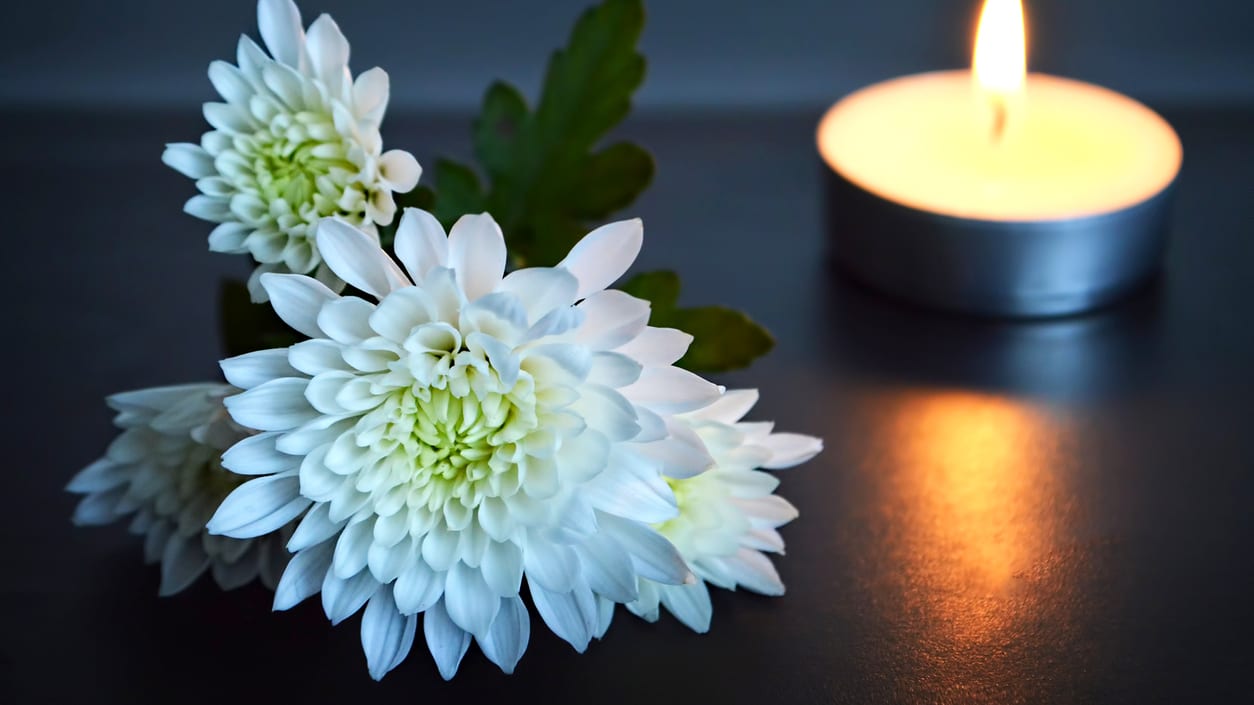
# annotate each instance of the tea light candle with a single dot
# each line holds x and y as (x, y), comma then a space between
(995, 191)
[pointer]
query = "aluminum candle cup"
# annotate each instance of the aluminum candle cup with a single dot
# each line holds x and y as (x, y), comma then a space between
(1068, 214)
(998, 192)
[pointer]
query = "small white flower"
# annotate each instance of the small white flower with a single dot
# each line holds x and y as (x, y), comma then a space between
(165, 469)
(296, 140)
(728, 515)
(467, 431)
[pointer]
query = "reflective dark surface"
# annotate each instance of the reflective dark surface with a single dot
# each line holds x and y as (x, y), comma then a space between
(1005, 512)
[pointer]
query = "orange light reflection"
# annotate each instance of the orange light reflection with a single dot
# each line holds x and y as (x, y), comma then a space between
(974, 507)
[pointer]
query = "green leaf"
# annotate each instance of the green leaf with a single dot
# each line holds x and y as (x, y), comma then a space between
(497, 127)
(660, 288)
(246, 326)
(723, 339)
(547, 182)
(458, 192)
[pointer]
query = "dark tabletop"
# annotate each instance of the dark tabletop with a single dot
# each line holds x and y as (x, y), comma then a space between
(1005, 512)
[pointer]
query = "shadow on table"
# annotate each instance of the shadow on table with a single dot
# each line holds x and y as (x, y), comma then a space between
(1104, 353)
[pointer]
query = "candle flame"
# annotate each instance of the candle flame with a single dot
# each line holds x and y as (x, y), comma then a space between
(1000, 61)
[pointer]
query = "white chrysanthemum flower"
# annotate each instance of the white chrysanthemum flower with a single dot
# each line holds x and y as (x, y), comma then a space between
(296, 140)
(468, 430)
(728, 515)
(165, 469)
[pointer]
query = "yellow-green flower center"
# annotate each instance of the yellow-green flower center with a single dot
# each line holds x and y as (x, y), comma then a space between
(302, 160)
(451, 447)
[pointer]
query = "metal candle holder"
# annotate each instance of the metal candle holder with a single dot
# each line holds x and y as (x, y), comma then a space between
(996, 268)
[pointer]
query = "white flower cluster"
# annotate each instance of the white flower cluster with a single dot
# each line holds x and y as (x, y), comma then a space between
(458, 446)
(295, 140)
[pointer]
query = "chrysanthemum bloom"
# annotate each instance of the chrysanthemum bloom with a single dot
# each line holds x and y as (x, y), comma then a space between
(295, 140)
(467, 431)
(728, 515)
(165, 470)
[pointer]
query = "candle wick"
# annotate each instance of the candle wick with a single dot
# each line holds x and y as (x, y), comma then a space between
(1000, 118)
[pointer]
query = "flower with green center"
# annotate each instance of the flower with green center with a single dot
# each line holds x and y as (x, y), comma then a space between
(165, 471)
(463, 434)
(728, 515)
(295, 140)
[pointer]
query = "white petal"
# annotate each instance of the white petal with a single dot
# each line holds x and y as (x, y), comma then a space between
(671, 390)
(613, 369)
(230, 83)
(611, 318)
(471, 604)
(506, 640)
(279, 22)
(755, 571)
(403, 310)
(728, 408)
(643, 495)
(606, 411)
(255, 368)
(342, 598)
(690, 604)
(682, 454)
(256, 455)
(607, 568)
(315, 356)
(258, 507)
(541, 289)
(749, 484)
(256, 292)
(446, 641)
(657, 346)
(303, 576)
(502, 567)
(351, 548)
(605, 614)
(100, 476)
(190, 160)
(387, 562)
(400, 171)
(420, 243)
(570, 615)
(604, 254)
(476, 252)
(314, 528)
(386, 635)
(298, 299)
(418, 588)
(500, 355)
(550, 565)
(347, 320)
(328, 53)
(210, 208)
(654, 557)
(320, 431)
(357, 258)
(763, 540)
(277, 405)
(250, 57)
(370, 95)
(229, 238)
(183, 561)
(229, 118)
(323, 389)
(789, 449)
(646, 606)
(555, 323)
(774, 510)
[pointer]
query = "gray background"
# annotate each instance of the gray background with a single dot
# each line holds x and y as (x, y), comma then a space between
(703, 53)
